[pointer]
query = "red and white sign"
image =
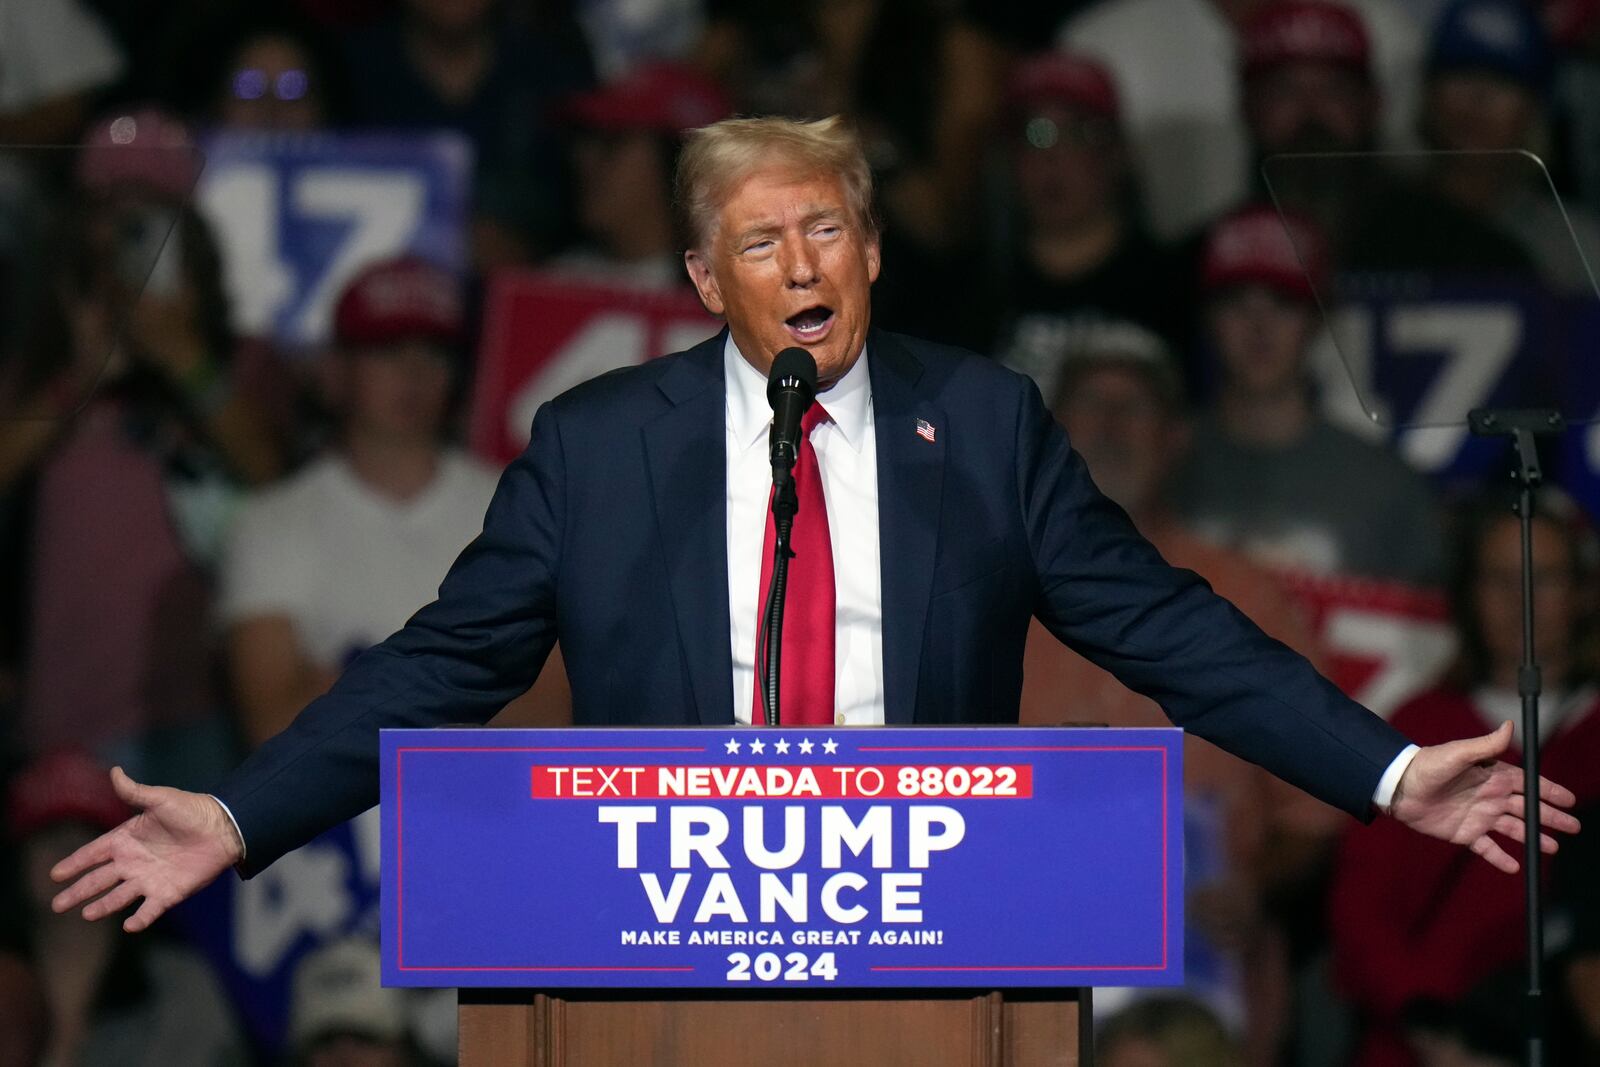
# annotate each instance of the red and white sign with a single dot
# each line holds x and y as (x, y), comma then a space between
(1382, 642)
(544, 334)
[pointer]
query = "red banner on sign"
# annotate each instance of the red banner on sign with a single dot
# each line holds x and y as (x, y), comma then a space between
(544, 334)
(1382, 642)
(768, 781)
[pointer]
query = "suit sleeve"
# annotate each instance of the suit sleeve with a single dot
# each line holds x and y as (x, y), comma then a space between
(460, 659)
(1106, 592)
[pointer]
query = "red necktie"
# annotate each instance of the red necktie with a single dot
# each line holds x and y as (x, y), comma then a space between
(806, 680)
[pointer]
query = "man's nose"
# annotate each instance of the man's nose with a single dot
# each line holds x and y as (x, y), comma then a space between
(804, 268)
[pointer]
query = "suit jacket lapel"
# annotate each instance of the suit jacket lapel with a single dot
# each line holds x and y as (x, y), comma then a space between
(910, 486)
(686, 452)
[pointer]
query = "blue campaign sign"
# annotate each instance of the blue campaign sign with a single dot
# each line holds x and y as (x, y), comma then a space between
(297, 215)
(743, 858)
(1426, 352)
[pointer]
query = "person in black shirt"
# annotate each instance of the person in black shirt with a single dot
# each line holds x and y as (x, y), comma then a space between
(1079, 251)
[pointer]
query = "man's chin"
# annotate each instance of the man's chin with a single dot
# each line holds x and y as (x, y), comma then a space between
(835, 354)
(834, 364)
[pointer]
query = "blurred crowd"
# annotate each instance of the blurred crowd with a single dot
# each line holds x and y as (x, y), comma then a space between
(1149, 206)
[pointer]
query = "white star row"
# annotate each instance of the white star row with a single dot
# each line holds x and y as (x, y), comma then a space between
(781, 746)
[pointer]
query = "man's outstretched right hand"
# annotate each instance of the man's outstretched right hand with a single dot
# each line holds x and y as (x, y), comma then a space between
(174, 846)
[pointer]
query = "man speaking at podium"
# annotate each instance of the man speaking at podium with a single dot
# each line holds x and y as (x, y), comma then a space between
(941, 507)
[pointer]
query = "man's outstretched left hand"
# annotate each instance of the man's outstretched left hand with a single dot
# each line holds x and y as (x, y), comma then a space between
(1461, 792)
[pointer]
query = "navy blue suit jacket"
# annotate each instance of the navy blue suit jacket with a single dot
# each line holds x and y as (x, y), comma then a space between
(609, 532)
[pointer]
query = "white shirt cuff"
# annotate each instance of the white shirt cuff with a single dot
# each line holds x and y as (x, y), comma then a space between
(244, 849)
(1383, 796)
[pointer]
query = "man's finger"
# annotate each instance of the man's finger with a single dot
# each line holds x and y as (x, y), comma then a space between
(112, 902)
(93, 854)
(1549, 815)
(88, 887)
(1495, 855)
(1555, 793)
(1517, 830)
(1512, 827)
(1557, 819)
(148, 912)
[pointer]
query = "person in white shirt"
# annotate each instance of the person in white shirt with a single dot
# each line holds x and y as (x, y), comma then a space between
(53, 55)
(337, 557)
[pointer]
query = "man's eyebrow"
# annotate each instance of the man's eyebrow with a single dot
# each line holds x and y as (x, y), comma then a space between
(768, 227)
(819, 214)
(760, 229)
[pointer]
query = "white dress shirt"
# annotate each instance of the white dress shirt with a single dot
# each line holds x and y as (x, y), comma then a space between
(847, 453)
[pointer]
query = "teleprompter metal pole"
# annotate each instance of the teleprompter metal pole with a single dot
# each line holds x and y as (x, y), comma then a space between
(1525, 427)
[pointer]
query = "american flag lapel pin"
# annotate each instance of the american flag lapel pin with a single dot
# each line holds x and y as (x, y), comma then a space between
(925, 429)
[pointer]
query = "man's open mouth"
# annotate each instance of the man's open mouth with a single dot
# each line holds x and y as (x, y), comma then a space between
(811, 324)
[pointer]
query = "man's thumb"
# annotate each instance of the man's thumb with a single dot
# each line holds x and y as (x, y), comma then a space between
(1490, 745)
(130, 791)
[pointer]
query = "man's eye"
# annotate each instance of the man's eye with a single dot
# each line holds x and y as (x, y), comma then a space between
(757, 247)
(826, 230)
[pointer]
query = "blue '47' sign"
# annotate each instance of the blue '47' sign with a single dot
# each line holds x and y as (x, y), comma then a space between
(298, 214)
(743, 858)
(1423, 354)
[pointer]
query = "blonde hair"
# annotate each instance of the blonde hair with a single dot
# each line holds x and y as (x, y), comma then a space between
(716, 158)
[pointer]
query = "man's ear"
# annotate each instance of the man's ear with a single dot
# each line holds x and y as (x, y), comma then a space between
(705, 284)
(874, 258)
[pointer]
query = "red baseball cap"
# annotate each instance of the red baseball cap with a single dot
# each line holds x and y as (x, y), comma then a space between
(662, 97)
(1062, 78)
(397, 299)
(1310, 31)
(67, 785)
(1258, 246)
(147, 149)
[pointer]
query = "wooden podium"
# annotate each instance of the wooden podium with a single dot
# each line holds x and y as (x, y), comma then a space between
(917, 1028)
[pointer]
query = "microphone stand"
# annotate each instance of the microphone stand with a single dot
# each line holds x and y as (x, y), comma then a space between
(785, 505)
(1524, 427)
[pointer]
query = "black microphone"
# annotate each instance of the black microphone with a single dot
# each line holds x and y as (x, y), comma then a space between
(791, 387)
